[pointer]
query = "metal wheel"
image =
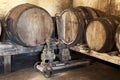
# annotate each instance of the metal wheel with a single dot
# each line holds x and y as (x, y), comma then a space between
(48, 74)
(35, 65)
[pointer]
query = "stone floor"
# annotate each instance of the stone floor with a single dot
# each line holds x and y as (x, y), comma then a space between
(97, 71)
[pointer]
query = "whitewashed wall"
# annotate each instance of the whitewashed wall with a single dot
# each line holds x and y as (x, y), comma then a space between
(115, 7)
(55, 6)
(6, 5)
(99, 4)
(109, 6)
(52, 6)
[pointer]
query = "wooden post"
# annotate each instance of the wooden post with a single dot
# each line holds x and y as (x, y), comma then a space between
(7, 64)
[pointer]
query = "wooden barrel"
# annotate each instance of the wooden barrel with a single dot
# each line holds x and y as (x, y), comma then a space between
(117, 37)
(100, 13)
(69, 26)
(72, 24)
(0, 28)
(100, 34)
(90, 13)
(29, 25)
(87, 13)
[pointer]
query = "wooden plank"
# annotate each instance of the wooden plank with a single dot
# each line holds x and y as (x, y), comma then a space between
(102, 56)
(8, 49)
(11, 49)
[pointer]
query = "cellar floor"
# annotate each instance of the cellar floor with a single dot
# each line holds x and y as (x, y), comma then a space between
(97, 71)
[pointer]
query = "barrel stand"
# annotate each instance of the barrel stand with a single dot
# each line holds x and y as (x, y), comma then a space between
(48, 63)
(8, 49)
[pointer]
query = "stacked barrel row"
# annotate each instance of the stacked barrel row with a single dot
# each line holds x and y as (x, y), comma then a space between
(30, 25)
(73, 22)
(85, 25)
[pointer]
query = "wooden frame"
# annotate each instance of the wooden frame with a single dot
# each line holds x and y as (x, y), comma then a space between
(8, 49)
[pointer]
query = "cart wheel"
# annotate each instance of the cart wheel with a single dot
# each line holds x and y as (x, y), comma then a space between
(48, 74)
(35, 65)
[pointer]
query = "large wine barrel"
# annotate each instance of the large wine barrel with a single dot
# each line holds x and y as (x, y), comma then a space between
(72, 24)
(2, 31)
(0, 28)
(117, 37)
(100, 34)
(29, 25)
(90, 13)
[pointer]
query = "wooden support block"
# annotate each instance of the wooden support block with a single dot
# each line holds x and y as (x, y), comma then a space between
(7, 64)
